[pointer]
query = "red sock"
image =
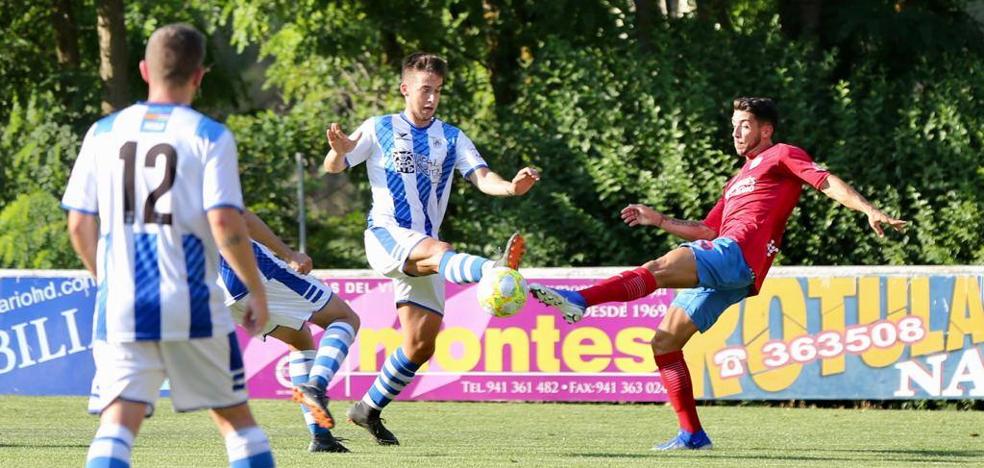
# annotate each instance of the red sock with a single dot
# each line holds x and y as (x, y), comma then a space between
(626, 286)
(676, 379)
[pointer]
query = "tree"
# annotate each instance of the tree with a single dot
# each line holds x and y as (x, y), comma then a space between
(112, 55)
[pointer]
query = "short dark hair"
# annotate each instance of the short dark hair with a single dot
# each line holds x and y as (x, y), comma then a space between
(424, 61)
(763, 108)
(174, 53)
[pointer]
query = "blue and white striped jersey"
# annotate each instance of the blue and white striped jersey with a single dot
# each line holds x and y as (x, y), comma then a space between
(271, 268)
(410, 169)
(150, 172)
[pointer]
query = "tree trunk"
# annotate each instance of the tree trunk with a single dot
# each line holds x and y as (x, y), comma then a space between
(66, 34)
(505, 46)
(716, 11)
(800, 18)
(644, 24)
(112, 55)
(672, 8)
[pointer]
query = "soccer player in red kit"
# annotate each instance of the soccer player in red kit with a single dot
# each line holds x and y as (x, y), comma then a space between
(728, 255)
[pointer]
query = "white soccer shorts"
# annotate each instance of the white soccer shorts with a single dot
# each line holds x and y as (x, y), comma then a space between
(387, 249)
(204, 373)
(288, 307)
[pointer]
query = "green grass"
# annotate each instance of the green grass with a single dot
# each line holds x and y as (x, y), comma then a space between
(55, 432)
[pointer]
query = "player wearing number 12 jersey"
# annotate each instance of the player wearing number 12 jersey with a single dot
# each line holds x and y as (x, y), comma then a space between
(728, 255)
(153, 197)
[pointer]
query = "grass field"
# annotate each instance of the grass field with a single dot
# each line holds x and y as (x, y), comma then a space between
(55, 432)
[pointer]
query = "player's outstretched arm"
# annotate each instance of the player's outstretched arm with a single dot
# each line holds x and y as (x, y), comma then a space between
(229, 231)
(262, 233)
(341, 145)
(843, 193)
(642, 215)
(83, 229)
(493, 184)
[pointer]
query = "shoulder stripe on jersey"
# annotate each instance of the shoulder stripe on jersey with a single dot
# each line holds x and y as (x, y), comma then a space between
(394, 180)
(105, 124)
(451, 135)
(146, 287)
(201, 314)
(209, 129)
(421, 149)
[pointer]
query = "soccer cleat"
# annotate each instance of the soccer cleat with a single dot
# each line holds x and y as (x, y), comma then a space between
(515, 249)
(326, 443)
(316, 401)
(686, 441)
(364, 416)
(570, 303)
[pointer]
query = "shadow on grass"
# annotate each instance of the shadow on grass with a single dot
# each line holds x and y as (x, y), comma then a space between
(41, 445)
(923, 452)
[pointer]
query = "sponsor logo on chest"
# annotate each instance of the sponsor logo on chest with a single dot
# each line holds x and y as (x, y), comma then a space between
(740, 187)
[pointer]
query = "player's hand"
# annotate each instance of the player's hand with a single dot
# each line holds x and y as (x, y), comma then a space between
(339, 141)
(300, 262)
(256, 316)
(642, 215)
(876, 218)
(524, 180)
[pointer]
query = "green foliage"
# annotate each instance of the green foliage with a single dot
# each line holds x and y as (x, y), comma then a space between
(33, 234)
(36, 151)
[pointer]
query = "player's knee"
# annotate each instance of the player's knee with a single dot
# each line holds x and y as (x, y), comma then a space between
(663, 342)
(439, 248)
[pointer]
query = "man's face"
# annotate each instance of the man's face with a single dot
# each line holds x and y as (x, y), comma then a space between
(748, 133)
(423, 92)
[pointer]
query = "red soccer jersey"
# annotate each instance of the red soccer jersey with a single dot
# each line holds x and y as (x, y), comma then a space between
(756, 203)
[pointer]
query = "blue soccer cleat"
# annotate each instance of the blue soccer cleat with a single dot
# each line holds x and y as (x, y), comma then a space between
(570, 303)
(686, 441)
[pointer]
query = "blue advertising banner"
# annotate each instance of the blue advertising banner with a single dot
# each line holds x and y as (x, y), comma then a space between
(45, 333)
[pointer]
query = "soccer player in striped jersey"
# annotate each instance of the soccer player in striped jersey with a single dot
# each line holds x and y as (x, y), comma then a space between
(295, 298)
(411, 157)
(153, 197)
(728, 255)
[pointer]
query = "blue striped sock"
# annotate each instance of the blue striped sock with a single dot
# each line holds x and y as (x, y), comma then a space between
(462, 268)
(249, 448)
(110, 447)
(299, 370)
(332, 349)
(397, 373)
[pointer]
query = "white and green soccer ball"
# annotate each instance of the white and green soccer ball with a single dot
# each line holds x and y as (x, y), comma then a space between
(502, 292)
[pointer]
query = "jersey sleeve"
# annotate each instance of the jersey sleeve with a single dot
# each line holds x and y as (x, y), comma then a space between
(467, 158)
(363, 148)
(81, 194)
(801, 165)
(220, 183)
(713, 218)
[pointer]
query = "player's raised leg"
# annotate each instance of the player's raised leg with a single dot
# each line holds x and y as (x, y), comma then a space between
(432, 256)
(676, 269)
(420, 328)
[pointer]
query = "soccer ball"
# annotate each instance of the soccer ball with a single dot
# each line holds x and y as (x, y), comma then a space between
(502, 292)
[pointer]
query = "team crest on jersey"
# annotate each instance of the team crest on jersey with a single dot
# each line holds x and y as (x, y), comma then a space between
(771, 249)
(403, 161)
(740, 187)
(755, 162)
